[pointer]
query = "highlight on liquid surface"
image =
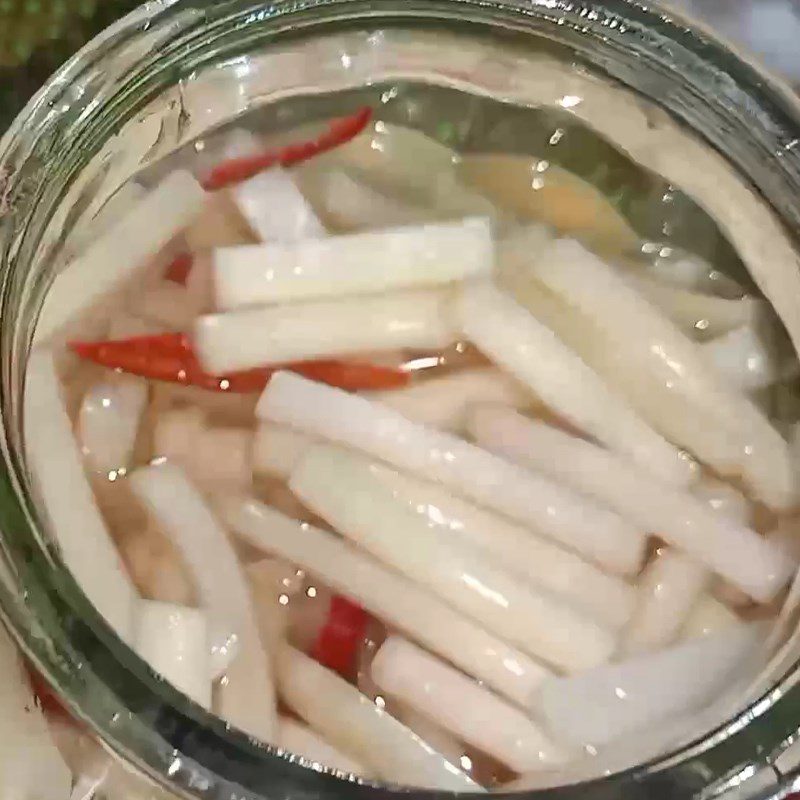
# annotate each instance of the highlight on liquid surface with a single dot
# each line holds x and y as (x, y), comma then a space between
(429, 457)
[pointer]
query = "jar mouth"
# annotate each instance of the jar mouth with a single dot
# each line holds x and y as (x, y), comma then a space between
(45, 166)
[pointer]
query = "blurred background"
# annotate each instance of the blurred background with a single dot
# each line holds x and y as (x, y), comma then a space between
(769, 29)
(38, 35)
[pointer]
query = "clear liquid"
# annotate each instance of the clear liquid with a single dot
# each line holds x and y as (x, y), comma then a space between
(633, 216)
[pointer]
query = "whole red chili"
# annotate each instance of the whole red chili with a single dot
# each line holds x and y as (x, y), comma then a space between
(236, 170)
(170, 357)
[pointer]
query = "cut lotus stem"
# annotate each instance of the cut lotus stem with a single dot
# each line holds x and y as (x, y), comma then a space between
(30, 764)
(275, 208)
(108, 421)
(325, 701)
(465, 708)
(726, 547)
(120, 253)
(671, 413)
(246, 697)
(383, 433)
(444, 402)
(662, 351)
(254, 337)
(668, 590)
(349, 204)
(724, 499)
(361, 263)
(601, 705)
(299, 739)
(513, 338)
(355, 496)
(708, 617)
(685, 160)
(701, 316)
(668, 265)
(173, 640)
(391, 597)
(605, 598)
(397, 160)
(743, 358)
(71, 510)
(277, 449)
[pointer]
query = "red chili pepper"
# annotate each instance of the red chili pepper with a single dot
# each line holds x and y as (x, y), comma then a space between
(236, 170)
(170, 357)
(179, 268)
(352, 375)
(48, 700)
(340, 638)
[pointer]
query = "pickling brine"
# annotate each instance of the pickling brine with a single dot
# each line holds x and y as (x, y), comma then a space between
(435, 441)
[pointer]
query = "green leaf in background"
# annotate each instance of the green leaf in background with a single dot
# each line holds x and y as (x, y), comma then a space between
(37, 36)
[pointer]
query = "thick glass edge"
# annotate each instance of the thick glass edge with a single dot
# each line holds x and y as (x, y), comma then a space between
(744, 88)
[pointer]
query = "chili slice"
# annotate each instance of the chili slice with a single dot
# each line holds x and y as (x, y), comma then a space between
(341, 637)
(236, 170)
(170, 357)
(179, 268)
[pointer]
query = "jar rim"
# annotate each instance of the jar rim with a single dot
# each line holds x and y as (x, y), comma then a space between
(770, 102)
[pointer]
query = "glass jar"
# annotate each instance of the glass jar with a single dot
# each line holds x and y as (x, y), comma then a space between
(171, 71)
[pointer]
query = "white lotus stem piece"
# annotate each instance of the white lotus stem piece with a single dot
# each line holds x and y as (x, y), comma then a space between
(708, 617)
(70, 509)
(724, 499)
(108, 421)
(351, 721)
(701, 316)
(599, 706)
(460, 705)
(395, 159)
(608, 599)
(173, 640)
(391, 597)
(417, 256)
(294, 737)
(668, 590)
(117, 256)
(255, 337)
(30, 764)
(351, 205)
(661, 144)
(743, 358)
(444, 402)
(381, 432)
(277, 449)
(275, 208)
(246, 697)
(684, 270)
(726, 547)
(355, 496)
(659, 349)
(513, 338)
(155, 567)
(674, 414)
